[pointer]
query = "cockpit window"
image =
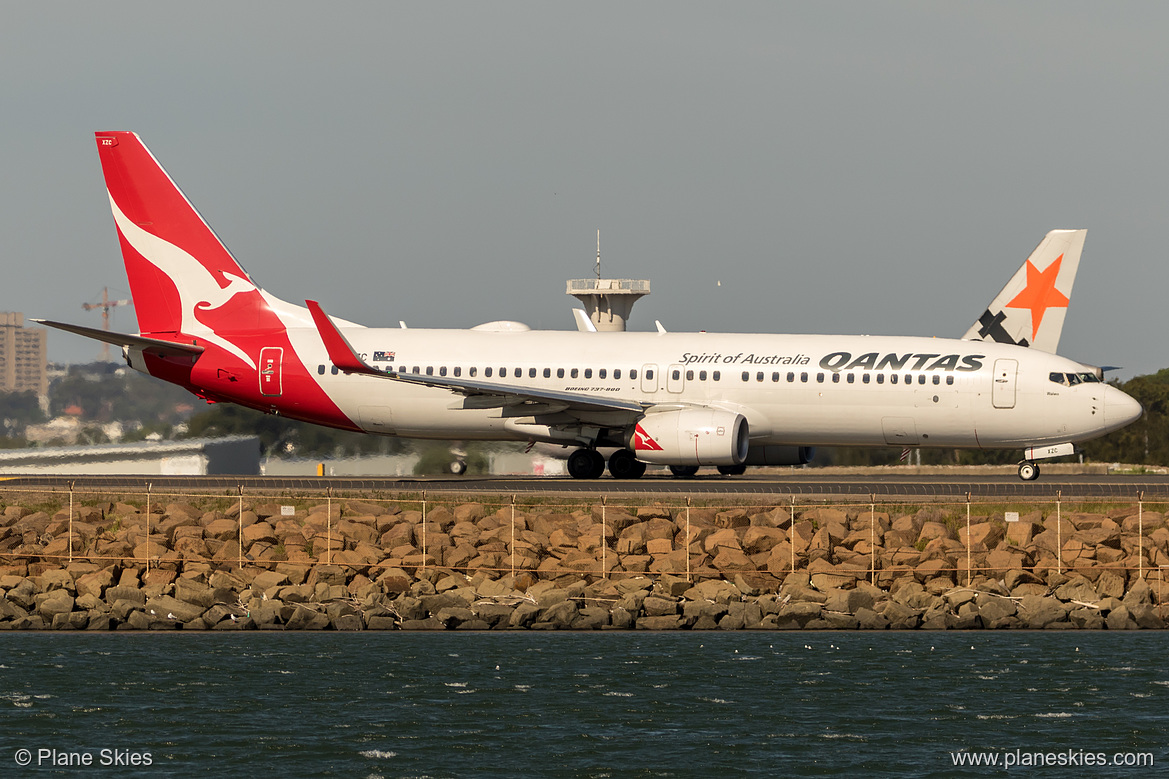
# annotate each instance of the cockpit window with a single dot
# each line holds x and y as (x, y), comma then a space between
(1072, 379)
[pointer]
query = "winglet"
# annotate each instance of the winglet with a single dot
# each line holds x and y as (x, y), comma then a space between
(341, 353)
(583, 323)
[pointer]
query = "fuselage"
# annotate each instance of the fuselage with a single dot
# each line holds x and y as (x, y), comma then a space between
(793, 389)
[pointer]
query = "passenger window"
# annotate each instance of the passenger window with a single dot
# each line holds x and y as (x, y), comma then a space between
(775, 376)
(429, 370)
(759, 376)
(531, 373)
(803, 377)
(949, 379)
(417, 369)
(547, 373)
(649, 374)
(503, 373)
(717, 375)
(892, 379)
(588, 373)
(633, 374)
(819, 378)
(921, 379)
(836, 378)
(334, 370)
(908, 379)
(791, 376)
(616, 373)
(458, 371)
(746, 376)
(601, 373)
(880, 378)
(442, 371)
(321, 369)
(702, 375)
(675, 375)
(474, 370)
(851, 378)
(937, 379)
(689, 375)
(575, 372)
(864, 378)
(487, 372)
(560, 373)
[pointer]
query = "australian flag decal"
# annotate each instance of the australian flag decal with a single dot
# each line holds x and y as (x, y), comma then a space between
(383, 356)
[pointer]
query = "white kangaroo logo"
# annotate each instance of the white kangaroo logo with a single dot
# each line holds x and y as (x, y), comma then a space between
(197, 288)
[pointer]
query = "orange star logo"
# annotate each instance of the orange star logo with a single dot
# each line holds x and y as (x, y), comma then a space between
(1040, 293)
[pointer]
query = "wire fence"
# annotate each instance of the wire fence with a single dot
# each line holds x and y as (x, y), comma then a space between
(835, 543)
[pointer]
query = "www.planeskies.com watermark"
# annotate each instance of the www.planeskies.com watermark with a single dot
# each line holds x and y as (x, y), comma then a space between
(1068, 758)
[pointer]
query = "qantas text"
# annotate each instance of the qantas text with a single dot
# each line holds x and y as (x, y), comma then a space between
(844, 361)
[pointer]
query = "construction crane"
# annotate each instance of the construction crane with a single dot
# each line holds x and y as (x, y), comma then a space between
(105, 305)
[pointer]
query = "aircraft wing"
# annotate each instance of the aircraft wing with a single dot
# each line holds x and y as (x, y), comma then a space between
(149, 345)
(342, 354)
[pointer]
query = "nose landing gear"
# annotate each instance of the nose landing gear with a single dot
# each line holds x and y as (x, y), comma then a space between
(1028, 471)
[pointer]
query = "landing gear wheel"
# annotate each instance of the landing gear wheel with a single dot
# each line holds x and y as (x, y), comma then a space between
(732, 470)
(684, 471)
(1028, 471)
(457, 467)
(624, 465)
(586, 464)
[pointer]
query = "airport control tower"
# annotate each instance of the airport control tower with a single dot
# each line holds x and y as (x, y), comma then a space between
(607, 301)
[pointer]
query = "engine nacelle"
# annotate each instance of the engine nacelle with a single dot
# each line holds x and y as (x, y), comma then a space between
(780, 455)
(691, 436)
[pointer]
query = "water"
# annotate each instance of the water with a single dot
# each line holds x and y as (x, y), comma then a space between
(580, 704)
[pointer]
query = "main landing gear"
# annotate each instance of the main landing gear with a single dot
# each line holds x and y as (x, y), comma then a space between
(590, 464)
(1028, 471)
(586, 464)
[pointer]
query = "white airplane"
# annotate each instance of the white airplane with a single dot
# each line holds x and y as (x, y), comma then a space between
(678, 399)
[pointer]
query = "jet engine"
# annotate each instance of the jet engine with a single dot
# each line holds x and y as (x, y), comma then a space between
(690, 436)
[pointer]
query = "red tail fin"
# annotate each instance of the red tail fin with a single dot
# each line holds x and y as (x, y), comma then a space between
(181, 275)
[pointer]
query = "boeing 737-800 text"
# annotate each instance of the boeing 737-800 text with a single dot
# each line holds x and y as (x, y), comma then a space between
(678, 399)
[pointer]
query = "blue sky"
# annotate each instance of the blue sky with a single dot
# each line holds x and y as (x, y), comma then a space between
(839, 167)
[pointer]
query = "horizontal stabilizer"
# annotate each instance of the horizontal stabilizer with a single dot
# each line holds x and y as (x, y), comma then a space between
(153, 345)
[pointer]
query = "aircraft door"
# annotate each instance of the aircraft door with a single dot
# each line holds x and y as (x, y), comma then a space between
(675, 379)
(649, 378)
(1003, 391)
(271, 367)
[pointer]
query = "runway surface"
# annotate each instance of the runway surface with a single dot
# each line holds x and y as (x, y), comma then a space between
(768, 487)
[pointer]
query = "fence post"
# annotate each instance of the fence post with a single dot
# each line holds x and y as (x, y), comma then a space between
(239, 519)
(872, 539)
(791, 536)
(604, 526)
(688, 576)
(1058, 533)
(513, 536)
(71, 521)
(329, 526)
(149, 487)
(1141, 535)
(969, 569)
(424, 531)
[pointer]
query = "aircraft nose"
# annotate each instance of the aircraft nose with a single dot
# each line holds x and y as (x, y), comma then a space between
(1119, 408)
